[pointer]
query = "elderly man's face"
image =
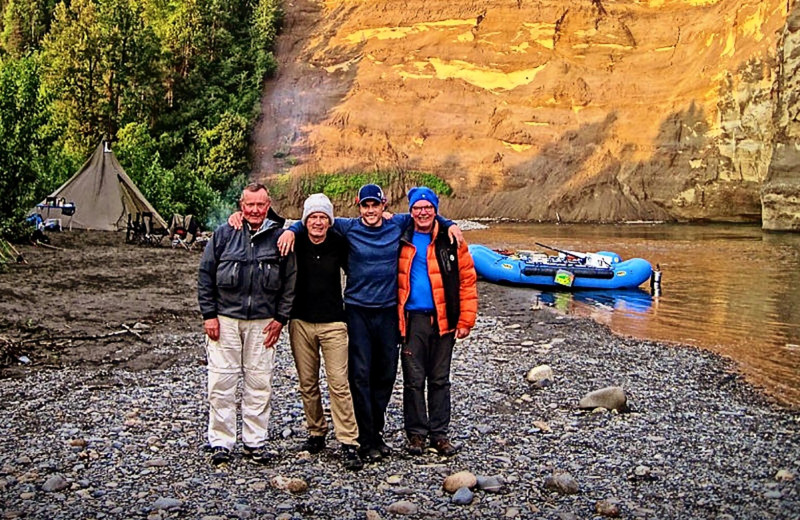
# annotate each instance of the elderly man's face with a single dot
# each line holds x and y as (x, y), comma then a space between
(423, 213)
(254, 205)
(317, 225)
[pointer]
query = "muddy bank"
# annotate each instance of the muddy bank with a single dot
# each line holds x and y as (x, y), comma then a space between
(96, 301)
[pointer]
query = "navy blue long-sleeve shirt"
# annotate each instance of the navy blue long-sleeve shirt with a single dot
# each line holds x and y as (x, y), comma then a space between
(373, 252)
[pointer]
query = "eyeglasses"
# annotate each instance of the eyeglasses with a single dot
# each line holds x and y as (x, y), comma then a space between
(420, 209)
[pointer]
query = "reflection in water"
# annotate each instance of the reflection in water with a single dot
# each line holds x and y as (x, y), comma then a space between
(728, 288)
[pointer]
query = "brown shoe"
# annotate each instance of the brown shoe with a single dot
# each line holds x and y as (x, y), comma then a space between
(416, 444)
(445, 447)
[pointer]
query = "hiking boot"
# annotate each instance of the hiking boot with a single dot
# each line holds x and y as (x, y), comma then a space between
(219, 455)
(445, 447)
(350, 458)
(314, 444)
(260, 455)
(416, 444)
(385, 449)
(369, 454)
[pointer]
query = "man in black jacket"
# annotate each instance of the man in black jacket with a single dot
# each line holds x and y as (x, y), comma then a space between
(245, 291)
(317, 329)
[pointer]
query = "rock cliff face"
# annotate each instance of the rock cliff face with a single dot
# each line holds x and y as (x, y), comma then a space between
(780, 195)
(574, 110)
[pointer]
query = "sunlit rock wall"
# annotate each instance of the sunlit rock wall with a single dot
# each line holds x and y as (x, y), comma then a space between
(780, 195)
(572, 110)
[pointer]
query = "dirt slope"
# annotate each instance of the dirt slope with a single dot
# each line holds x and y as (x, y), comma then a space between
(561, 109)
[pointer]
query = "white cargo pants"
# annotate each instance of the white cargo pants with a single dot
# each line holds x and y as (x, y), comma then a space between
(240, 350)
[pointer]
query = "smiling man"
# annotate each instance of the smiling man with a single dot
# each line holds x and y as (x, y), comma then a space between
(438, 302)
(245, 291)
(318, 330)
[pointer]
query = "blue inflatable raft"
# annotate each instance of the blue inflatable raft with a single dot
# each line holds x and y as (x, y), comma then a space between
(601, 270)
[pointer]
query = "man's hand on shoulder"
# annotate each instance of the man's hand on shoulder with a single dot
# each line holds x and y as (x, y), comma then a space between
(286, 242)
(455, 234)
(235, 220)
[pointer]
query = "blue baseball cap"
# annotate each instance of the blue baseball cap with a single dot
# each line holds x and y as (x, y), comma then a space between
(370, 192)
(419, 193)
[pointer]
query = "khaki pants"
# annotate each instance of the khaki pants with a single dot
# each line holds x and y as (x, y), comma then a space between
(308, 339)
(240, 349)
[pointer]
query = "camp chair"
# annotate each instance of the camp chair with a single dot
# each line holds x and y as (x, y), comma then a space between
(183, 231)
(140, 230)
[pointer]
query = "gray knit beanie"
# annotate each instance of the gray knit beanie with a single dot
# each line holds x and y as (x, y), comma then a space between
(318, 202)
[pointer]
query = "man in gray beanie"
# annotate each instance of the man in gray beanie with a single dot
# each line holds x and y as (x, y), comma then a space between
(317, 327)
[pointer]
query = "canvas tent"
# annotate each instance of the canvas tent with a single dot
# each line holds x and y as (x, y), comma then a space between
(103, 195)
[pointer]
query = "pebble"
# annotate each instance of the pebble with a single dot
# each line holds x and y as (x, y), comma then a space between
(167, 503)
(489, 484)
(403, 507)
(394, 479)
(539, 374)
(562, 482)
(463, 496)
(607, 508)
(290, 484)
(610, 398)
(459, 480)
(55, 483)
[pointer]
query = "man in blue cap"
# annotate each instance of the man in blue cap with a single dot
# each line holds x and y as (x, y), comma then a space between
(370, 299)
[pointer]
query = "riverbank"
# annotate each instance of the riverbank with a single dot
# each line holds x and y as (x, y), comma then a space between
(117, 432)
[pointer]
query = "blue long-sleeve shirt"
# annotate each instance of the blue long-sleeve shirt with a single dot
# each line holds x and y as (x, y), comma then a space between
(373, 253)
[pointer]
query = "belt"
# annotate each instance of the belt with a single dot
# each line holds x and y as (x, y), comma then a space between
(423, 313)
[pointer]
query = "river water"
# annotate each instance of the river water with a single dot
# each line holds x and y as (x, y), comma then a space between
(733, 289)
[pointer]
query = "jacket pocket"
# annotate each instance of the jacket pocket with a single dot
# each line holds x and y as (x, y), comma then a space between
(228, 274)
(269, 275)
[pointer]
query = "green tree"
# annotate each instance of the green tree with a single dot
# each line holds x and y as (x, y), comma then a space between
(139, 155)
(24, 24)
(225, 148)
(102, 68)
(23, 147)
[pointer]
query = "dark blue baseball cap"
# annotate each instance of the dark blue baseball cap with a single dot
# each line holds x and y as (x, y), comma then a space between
(371, 192)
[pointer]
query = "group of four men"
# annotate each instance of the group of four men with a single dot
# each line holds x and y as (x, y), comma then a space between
(409, 278)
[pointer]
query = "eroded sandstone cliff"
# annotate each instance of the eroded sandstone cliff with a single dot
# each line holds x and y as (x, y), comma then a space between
(574, 110)
(780, 194)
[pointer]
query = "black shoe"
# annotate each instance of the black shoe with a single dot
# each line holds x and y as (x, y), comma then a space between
(445, 447)
(416, 444)
(314, 444)
(219, 455)
(350, 458)
(260, 455)
(385, 449)
(369, 454)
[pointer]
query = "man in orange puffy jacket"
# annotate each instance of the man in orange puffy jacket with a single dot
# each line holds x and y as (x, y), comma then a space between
(438, 301)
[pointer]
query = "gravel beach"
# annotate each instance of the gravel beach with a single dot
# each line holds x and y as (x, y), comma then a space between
(101, 435)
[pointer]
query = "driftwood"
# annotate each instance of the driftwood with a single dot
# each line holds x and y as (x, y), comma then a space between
(125, 330)
(47, 246)
(135, 333)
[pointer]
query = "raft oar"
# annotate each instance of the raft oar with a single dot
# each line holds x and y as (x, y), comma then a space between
(582, 256)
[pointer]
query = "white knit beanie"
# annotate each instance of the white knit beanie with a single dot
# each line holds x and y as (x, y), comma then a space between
(318, 202)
